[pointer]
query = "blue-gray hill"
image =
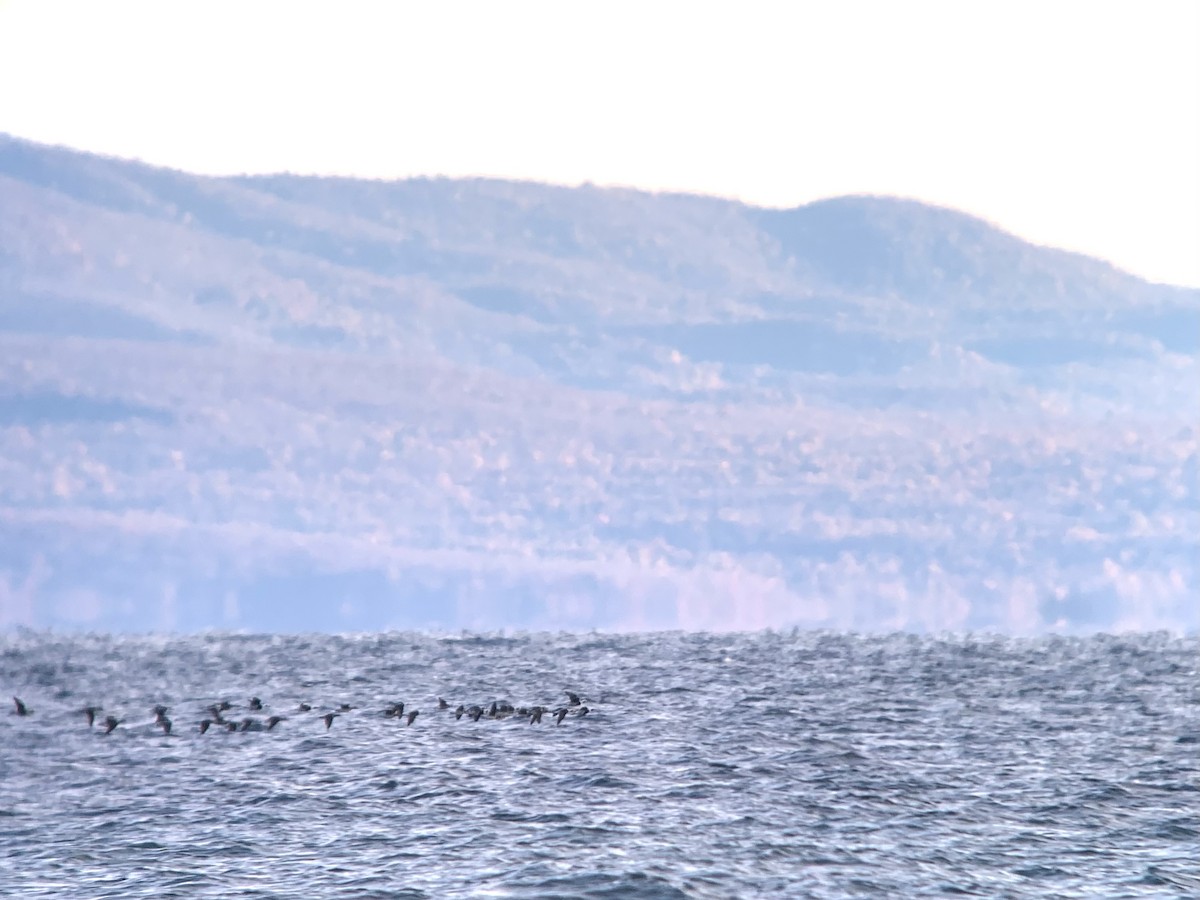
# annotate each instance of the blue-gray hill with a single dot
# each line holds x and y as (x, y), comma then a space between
(287, 402)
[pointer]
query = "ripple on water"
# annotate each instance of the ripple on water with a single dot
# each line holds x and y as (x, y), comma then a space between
(711, 766)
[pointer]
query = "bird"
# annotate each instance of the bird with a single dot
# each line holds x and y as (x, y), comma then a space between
(535, 715)
(21, 708)
(90, 712)
(500, 710)
(255, 703)
(304, 707)
(458, 713)
(442, 704)
(411, 716)
(345, 707)
(165, 724)
(573, 697)
(560, 714)
(204, 725)
(475, 712)
(394, 710)
(275, 720)
(329, 717)
(110, 722)
(582, 711)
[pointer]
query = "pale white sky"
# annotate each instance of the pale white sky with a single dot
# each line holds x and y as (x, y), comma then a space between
(1075, 124)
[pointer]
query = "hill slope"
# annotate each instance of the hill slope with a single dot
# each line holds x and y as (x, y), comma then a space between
(299, 403)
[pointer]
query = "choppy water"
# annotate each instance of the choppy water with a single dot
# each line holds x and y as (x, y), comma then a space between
(768, 765)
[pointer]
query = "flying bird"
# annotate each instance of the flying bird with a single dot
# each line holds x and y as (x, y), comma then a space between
(21, 708)
(394, 710)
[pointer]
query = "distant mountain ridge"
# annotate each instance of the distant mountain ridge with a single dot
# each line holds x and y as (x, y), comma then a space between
(447, 403)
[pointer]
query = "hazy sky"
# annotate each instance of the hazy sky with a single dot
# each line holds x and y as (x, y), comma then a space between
(1072, 123)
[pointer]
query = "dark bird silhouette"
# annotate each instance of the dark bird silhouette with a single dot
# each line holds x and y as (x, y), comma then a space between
(535, 715)
(560, 714)
(255, 703)
(275, 720)
(582, 711)
(411, 716)
(573, 697)
(442, 704)
(475, 712)
(329, 717)
(394, 710)
(458, 713)
(204, 725)
(345, 707)
(231, 727)
(165, 724)
(21, 709)
(500, 710)
(249, 724)
(304, 707)
(90, 712)
(110, 722)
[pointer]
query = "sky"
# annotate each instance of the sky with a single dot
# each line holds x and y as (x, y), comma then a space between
(1074, 124)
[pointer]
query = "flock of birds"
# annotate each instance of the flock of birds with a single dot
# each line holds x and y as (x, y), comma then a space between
(216, 714)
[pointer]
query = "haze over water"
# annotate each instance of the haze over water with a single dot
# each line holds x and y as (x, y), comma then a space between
(748, 765)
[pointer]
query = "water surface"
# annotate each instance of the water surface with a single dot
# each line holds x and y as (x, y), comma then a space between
(765, 765)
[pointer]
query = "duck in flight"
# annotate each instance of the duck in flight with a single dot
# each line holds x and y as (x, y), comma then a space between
(21, 709)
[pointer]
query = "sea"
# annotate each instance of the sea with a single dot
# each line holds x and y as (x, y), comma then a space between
(774, 764)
